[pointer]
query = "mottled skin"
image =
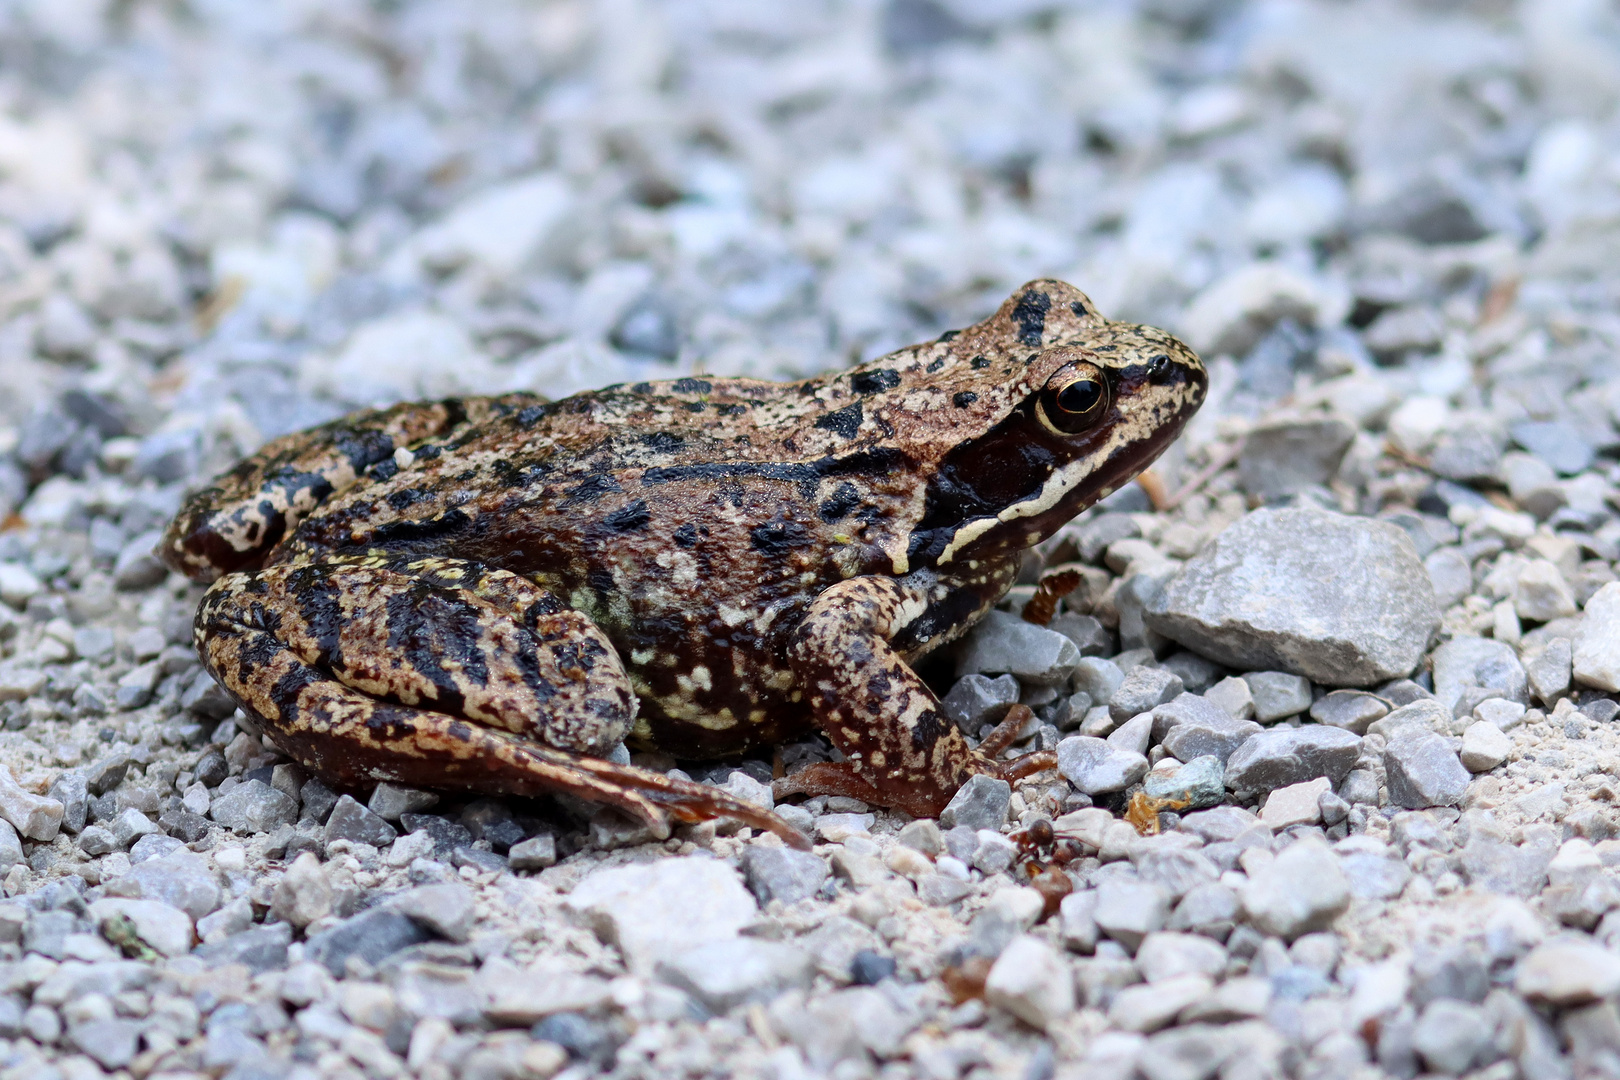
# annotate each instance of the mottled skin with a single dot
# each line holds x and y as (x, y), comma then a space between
(464, 593)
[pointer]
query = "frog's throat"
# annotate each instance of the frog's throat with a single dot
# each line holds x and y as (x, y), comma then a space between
(1059, 486)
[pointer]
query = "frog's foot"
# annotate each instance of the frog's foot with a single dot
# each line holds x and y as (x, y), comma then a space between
(899, 750)
(442, 674)
(233, 524)
(841, 778)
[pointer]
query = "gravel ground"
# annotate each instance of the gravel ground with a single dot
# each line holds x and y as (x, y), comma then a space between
(1359, 649)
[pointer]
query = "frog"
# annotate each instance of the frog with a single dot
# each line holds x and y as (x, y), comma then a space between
(506, 594)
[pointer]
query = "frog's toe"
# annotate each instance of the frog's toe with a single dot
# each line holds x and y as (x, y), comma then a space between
(841, 778)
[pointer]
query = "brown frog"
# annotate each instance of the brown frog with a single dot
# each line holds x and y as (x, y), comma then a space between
(476, 593)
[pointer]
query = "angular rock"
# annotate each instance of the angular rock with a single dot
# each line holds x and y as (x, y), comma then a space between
(1549, 673)
(1352, 710)
(976, 700)
(1466, 662)
(34, 816)
(1212, 732)
(654, 910)
(1595, 659)
(1033, 982)
(1284, 456)
(1302, 890)
(1568, 971)
(526, 996)
(1281, 756)
(1127, 911)
(981, 803)
(447, 909)
(1142, 690)
(1450, 574)
(166, 929)
(253, 807)
(389, 801)
(179, 879)
(1296, 804)
(1200, 783)
(1343, 601)
(1278, 694)
(1232, 694)
(1096, 768)
(1423, 770)
(372, 935)
(721, 975)
(779, 873)
(303, 894)
(1095, 677)
(535, 853)
(351, 821)
(1132, 735)
(1003, 642)
(1451, 1036)
(260, 949)
(1165, 955)
(1484, 747)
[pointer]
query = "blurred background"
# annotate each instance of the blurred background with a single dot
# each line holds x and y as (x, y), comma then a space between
(224, 220)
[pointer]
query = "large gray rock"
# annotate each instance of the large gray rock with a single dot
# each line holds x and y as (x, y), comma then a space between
(1283, 756)
(1343, 601)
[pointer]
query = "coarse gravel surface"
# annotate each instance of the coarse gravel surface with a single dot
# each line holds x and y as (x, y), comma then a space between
(1357, 640)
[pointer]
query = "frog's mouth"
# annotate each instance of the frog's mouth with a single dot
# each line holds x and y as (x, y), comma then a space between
(1017, 485)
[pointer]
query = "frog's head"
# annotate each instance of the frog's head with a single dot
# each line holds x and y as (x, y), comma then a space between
(1039, 411)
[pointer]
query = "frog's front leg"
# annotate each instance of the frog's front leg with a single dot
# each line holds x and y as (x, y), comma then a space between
(439, 673)
(899, 749)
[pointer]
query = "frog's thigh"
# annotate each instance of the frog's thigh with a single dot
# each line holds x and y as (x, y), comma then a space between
(437, 674)
(875, 709)
(442, 634)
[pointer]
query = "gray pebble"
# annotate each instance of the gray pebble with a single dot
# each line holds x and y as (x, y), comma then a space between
(351, 821)
(1285, 456)
(1142, 690)
(1002, 642)
(1200, 783)
(1096, 768)
(1423, 770)
(976, 700)
(1098, 678)
(1282, 756)
(778, 873)
(1277, 694)
(1352, 710)
(981, 803)
(253, 807)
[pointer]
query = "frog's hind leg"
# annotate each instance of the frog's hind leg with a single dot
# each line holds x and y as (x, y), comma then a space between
(231, 524)
(442, 674)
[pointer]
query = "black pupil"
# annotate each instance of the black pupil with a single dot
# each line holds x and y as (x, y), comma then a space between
(1079, 396)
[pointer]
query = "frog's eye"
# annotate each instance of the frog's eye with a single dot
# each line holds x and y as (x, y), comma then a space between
(1075, 397)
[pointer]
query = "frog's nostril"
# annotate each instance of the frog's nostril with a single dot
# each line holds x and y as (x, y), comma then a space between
(1160, 369)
